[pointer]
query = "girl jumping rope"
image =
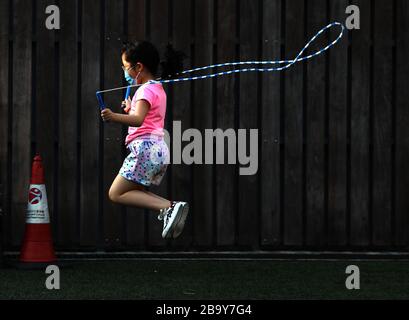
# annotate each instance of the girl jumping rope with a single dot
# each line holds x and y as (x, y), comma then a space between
(146, 164)
(149, 154)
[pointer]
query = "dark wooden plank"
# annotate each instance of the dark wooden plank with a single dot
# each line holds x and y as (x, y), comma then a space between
(248, 201)
(315, 131)
(113, 141)
(337, 127)
(382, 123)
(4, 123)
(270, 188)
(401, 222)
(68, 127)
(159, 16)
(135, 217)
(360, 109)
(44, 116)
(182, 111)
(90, 122)
(293, 130)
(202, 206)
(21, 123)
(225, 175)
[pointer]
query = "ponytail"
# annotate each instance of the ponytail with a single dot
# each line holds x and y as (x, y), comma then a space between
(172, 65)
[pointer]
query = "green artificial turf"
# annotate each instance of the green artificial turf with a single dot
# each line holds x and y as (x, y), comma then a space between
(211, 280)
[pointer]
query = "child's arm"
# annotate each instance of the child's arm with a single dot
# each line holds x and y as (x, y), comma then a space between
(134, 120)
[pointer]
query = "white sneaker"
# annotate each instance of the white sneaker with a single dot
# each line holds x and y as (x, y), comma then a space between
(181, 223)
(171, 217)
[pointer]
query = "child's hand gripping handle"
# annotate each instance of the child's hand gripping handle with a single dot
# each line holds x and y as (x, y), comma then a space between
(101, 104)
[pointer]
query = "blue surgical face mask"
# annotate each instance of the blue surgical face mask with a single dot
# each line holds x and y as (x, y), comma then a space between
(128, 78)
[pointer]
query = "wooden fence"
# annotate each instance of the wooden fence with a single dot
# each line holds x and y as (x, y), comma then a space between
(333, 169)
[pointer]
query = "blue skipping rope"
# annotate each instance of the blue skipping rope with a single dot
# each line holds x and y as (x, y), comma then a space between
(283, 64)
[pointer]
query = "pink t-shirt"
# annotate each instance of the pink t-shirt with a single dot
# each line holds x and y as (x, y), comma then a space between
(154, 121)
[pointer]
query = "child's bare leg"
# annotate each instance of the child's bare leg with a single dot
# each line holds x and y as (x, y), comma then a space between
(154, 195)
(128, 193)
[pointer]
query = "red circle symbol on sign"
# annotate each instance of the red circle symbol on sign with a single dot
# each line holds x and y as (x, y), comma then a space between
(34, 196)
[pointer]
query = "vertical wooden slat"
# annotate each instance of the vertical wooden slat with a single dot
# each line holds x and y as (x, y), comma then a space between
(225, 175)
(337, 127)
(293, 131)
(21, 117)
(248, 201)
(315, 131)
(159, 16)
(68, 126)
(44, 116)
(4, 111)
(401, 236)
(382, 122)
(270, 127)
(135, 217)
(202, 207)
(113, 141)
(182, 111)
(360, 109)
(90, 121)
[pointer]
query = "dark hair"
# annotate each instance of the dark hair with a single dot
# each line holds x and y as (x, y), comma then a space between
(146, 53)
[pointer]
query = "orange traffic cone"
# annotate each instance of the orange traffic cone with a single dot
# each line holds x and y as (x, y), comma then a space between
(37, 244)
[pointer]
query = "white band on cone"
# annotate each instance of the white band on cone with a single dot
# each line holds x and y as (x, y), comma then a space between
(37, 208)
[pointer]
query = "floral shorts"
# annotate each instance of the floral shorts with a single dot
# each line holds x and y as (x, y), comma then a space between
(147, 161)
